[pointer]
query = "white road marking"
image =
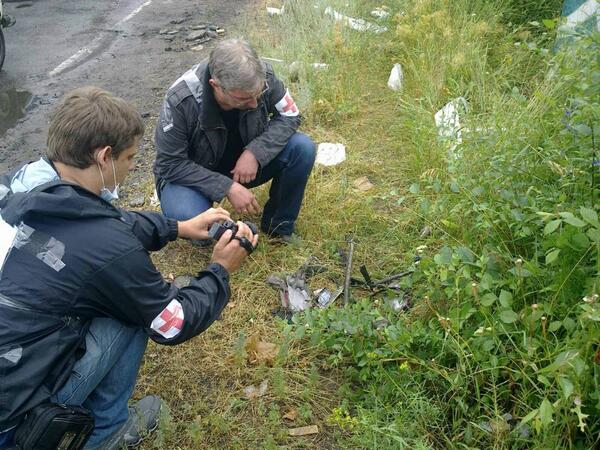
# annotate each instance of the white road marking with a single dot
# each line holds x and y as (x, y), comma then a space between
(86, 51)
(71, 61)
(135, 11)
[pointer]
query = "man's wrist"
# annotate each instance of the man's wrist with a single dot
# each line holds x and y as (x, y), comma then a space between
(182, 229)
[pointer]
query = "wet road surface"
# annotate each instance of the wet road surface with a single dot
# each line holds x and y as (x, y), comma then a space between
(133, 48)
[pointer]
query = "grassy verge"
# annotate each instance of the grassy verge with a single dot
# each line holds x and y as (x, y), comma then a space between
(500, 347)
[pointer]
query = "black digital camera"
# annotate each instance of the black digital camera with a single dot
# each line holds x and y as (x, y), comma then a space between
(217, 229)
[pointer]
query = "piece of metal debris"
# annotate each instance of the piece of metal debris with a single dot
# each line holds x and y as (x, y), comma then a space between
(350, 241)
(448, 124)
(355, 24)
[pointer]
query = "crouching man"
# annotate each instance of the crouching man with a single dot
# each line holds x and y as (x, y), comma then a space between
(226, 126)
(79, 294)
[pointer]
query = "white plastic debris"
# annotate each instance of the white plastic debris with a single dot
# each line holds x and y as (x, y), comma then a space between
(396, 79)
(355, 24)
(252, 392)
(294, 292)
(330, 154)
(380, 13)
(274, 11)
(319, 66)
(447, 121)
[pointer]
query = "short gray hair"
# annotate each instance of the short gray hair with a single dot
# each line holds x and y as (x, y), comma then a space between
(234, 64)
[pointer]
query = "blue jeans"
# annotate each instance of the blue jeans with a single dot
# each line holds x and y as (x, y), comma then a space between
(103, 379)
(289, 171)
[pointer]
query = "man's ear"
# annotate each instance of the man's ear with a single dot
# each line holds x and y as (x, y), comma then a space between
(213, 83)
(102, 155)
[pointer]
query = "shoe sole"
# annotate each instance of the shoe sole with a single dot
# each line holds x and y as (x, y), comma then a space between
(148, 433)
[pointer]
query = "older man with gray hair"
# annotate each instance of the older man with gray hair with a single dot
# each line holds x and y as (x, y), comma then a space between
(226, 126)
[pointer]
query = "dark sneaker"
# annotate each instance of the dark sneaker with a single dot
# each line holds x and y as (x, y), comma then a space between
(286, 239)
(143, 420)
(278, 238)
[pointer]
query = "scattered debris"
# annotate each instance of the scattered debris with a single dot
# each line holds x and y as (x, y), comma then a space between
(426, 231)
(355, 24)
(303, 431)
(447, 121)
(293, 292)
(330, 154)
(396, 79)
(350, 241)
(275, 11)
(252, 392)
(363, 184)
(220, 30)
(325, 297)
(290, 415)
(399, 304)
(380, 13)
(197, 48)
(261, 352)
(195, 35)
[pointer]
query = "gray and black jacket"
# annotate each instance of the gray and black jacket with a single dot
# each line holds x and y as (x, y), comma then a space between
(191, 136)
(76, 257)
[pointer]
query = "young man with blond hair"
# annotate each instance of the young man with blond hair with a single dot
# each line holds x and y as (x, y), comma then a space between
(79, 294)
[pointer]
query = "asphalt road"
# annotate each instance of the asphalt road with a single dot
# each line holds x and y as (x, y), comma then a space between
(133, 48)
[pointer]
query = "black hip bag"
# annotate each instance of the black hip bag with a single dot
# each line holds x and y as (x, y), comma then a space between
(52, 426)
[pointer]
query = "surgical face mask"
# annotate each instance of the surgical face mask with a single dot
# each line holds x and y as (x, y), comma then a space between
(105, 193)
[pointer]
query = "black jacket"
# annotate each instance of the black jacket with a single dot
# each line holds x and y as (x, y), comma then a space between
(191, 136)
(74, 258)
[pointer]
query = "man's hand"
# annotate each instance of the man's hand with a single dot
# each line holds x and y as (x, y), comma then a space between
(245, 168)
(229, 253)
(242, 199)
(197, 227)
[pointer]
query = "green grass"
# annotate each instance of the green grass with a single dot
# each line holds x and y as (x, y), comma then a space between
(498, 325)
